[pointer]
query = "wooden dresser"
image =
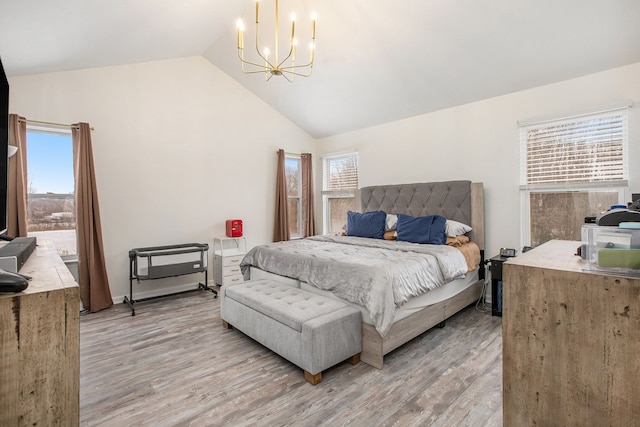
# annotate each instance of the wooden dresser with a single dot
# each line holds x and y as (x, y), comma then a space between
(40, 346)
(571, 342)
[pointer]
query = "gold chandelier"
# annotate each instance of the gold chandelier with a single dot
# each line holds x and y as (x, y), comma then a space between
(287, 67)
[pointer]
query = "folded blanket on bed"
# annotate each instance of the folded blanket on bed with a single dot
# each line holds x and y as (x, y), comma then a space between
(471, 253)
(376, 274)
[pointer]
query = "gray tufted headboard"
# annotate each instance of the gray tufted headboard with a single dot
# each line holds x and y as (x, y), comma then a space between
(460, 201)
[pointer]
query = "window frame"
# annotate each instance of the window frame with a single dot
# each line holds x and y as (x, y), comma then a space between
(526, 188)
(349, 193)
(298, 159)
(52, 130)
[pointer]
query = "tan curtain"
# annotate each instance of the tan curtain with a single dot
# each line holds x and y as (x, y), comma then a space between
(308, 205)
(92, 271)
(281, 223)
(17, 180)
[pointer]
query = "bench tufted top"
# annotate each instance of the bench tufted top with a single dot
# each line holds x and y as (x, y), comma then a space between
(285, 304)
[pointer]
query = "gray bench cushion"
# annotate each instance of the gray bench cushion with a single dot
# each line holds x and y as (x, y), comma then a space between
(269, 298)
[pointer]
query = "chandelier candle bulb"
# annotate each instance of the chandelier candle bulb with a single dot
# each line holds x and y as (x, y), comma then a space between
(257, 10)
(314, 16)
(240, 35)
(293, 25)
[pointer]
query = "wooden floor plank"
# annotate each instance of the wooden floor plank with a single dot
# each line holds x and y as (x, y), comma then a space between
(174, 364)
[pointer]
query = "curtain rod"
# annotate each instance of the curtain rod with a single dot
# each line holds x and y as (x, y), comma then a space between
(286, 153)
(38, 122)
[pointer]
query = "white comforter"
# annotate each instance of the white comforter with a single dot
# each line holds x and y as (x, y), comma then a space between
(376, 274)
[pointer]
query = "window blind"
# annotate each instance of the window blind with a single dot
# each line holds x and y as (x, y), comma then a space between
(588, 149)
(340, 173)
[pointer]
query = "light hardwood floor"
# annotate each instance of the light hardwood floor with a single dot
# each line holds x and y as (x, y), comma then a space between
(174, 364)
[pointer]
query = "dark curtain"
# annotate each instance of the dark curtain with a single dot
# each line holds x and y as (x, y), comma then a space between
(281, 222)
(308, 204)
(92, 271)
(17, 179)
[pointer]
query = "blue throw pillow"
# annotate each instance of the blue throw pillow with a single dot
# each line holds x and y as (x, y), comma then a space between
(424, 229)
(368, 224)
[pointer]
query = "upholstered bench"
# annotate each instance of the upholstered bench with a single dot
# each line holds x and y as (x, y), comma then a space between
(309, 330)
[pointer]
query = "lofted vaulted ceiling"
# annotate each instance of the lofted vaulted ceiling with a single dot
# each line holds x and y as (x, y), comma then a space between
(376, 60)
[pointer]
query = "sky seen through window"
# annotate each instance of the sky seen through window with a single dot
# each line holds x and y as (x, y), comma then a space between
(50, 163)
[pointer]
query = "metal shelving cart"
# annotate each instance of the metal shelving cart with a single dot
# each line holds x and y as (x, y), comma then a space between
(159, 262)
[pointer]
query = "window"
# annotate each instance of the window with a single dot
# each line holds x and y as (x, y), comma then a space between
(570, 169)
(50, 188)
(293, 171)
(339, 183)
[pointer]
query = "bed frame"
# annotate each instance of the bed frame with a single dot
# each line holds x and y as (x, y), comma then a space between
(460, 201)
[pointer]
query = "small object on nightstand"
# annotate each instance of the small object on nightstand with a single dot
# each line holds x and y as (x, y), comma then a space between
(234, 228)
(507, 252)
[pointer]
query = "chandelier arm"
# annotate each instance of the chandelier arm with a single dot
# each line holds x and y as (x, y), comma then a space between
(296, 73)
(291, 70)
(268, 64)
(297, 70)
(285, 59)
(307, 65)
(276, 38)
(264, 70)
(244, 61)
(286, 77)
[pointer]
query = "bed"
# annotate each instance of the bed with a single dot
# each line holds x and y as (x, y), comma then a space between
(390, 318)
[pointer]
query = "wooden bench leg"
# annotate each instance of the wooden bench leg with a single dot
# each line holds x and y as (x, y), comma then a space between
(355, 359)
(226, 325)
(313, 379)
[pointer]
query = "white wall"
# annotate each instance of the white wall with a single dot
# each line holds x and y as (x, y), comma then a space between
(480, 142)
(179, 147)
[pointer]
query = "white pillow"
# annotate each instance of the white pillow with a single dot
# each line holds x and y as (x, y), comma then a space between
(392, 221)
(455, 228)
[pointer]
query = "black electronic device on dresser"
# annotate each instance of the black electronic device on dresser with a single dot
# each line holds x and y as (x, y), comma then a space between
(13, 255)
(495, 267)
(12, 282)
(4, 147)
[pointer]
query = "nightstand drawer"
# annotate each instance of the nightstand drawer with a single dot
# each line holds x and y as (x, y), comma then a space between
(227, 270)
(231, 270)
(228, 261)
(227, 280)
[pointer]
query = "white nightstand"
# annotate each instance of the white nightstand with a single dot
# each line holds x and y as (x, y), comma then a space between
(227, 254)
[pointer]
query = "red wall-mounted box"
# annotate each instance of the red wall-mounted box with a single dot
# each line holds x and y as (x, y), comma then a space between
(234, 228)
